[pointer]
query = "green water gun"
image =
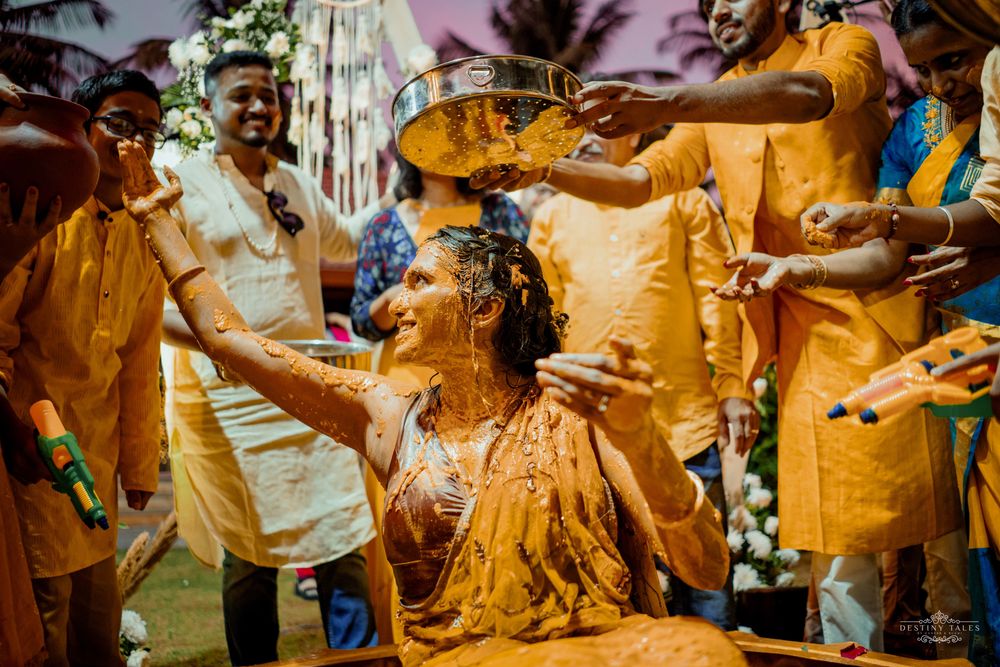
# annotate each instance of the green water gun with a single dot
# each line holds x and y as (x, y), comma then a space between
(62, 455)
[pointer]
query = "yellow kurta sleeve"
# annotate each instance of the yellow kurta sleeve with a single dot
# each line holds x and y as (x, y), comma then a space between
(540, 243)
(139, 391)
(678, 162)
(11, 295)
(852, 63)
(708, 246)
(987, 189)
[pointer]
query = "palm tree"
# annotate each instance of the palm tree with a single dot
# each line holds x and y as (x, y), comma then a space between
(42, 62)
(555, 30)
(150, 55)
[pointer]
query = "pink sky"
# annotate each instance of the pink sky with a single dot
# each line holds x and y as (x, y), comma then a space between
(634, 47)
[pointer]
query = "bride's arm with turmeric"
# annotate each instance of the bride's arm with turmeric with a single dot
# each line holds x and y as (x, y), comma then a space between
(634, 455)
(690, 531)
(354, 408)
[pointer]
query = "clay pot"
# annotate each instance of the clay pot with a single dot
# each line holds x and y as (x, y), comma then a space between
(45, 145)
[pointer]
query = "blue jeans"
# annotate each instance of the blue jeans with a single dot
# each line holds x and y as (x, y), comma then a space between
(717, 607)
(250, 607)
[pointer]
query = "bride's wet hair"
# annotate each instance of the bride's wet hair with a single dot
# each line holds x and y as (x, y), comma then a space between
(495, 266)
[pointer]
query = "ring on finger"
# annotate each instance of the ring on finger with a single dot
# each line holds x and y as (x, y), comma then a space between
(602, 405)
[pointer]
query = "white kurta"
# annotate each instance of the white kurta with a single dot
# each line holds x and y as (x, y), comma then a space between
(264, 485)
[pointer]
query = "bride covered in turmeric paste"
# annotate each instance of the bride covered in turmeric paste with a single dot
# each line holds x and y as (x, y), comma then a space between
(526, 494)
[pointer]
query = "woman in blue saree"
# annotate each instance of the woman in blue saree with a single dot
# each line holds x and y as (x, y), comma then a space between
(932, 159)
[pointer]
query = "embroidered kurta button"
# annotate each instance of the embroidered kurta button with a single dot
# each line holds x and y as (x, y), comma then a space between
(106, 294)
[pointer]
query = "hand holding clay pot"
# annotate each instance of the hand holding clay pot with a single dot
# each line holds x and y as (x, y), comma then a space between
(19, 235)
(9, 92)
(45, 146)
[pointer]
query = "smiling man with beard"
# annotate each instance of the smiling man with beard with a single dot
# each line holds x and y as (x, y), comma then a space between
(800, 118)
(267, 488)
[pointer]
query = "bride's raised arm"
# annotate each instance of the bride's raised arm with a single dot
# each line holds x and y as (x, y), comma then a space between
(360, 410)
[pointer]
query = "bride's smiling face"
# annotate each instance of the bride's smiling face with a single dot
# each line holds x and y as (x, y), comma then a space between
(429, 311)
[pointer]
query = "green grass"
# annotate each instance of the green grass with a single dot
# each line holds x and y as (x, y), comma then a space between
(181, 602)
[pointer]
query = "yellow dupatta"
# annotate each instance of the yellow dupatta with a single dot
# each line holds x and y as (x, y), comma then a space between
(926, 188)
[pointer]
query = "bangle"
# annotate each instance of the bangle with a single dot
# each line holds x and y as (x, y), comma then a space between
(951, 225)
(186, 273)
(819, 275)
(699, 500)
(548, 172)
(893, 220)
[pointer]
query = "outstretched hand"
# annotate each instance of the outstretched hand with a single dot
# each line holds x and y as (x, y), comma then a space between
(142, 192)
(758, 275)
(619, 109)
(615, 391)
(845, 225)
(988, 355)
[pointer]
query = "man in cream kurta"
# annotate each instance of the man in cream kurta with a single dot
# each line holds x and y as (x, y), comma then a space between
(800, 119)
(272, 491)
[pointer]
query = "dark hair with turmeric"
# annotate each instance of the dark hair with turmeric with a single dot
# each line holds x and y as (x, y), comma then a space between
(495, 266)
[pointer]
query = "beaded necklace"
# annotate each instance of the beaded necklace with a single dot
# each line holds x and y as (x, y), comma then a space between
(269, 250)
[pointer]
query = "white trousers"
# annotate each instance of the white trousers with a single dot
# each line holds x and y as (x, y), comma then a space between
(850, 598)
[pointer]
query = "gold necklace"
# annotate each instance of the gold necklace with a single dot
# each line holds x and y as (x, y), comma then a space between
(268, 251)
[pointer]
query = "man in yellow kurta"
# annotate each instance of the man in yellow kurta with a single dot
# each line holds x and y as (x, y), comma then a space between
(646, 274)
(800, 119)
(80, 325)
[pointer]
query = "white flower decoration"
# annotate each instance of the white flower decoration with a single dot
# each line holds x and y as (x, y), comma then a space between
(277, 46)
(760, 387)
(241, 20)
(191, 128)
(133, 628)
(231, 45)
(790, 557)
(199, 54)
(178, 54)
(735, 540)
(173, 119)
(784, 579)
(771, 525)
(138, 658)
(759, 544)
(759, 497)
(752, 481)
(745, 577)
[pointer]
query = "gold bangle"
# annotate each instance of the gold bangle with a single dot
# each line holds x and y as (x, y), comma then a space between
(819, 275)
(699, 500)
(951, 225)
(186, 273)
(548, 172)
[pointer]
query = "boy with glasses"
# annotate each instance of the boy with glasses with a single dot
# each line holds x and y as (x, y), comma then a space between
(80, 325)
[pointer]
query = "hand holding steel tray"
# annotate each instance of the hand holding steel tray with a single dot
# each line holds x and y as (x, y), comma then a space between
(465, 117)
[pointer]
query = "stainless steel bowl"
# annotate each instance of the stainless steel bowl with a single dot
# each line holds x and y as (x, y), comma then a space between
(352, 356)
(472, 114)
